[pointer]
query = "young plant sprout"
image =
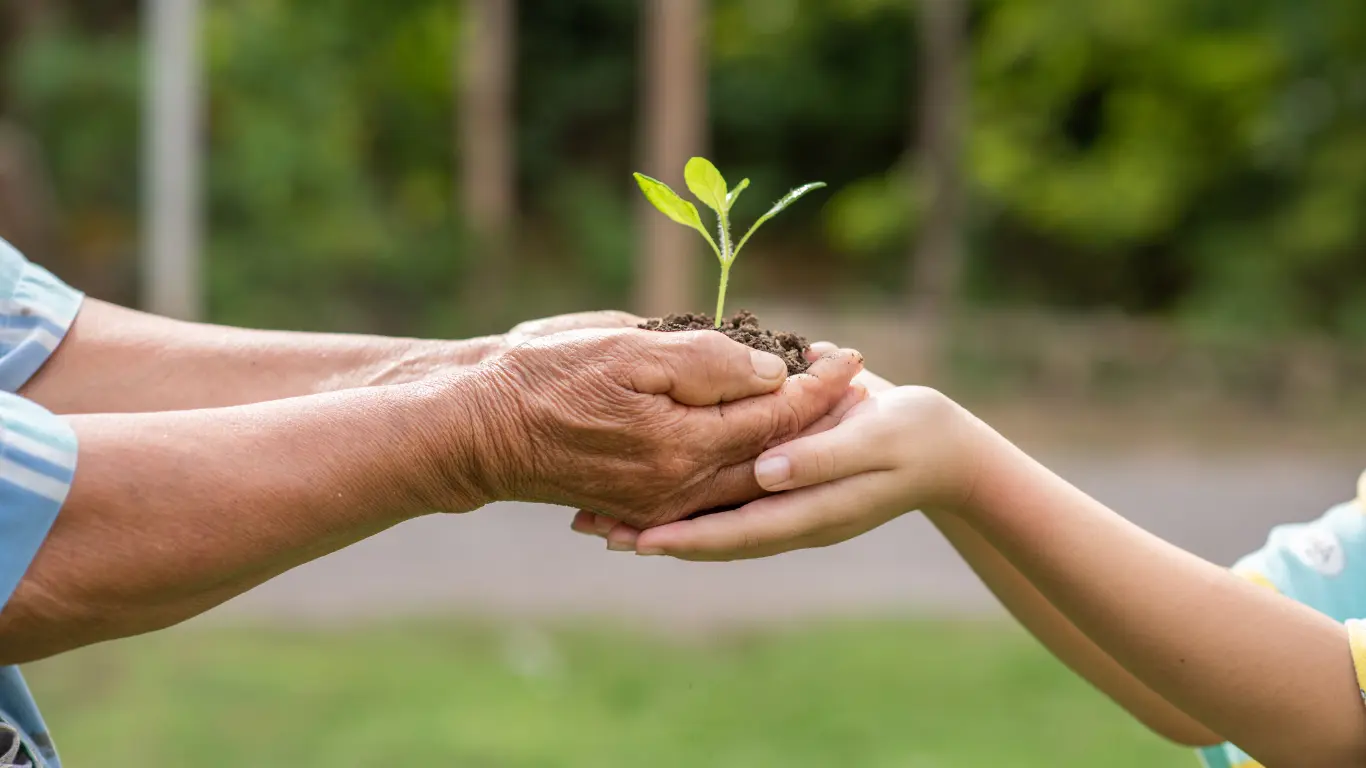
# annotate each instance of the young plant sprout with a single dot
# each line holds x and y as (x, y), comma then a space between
(707, 184)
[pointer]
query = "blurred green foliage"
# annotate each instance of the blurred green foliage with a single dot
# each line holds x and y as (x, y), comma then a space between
(1203, 162)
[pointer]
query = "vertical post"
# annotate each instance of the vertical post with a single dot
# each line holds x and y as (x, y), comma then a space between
(488, 191)
(170, 274)
(672, 130)
(937, 257)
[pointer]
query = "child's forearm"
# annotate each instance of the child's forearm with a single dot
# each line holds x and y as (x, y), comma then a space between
(1269, 674)
(1065, 641)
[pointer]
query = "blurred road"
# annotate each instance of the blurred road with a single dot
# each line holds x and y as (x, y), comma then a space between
(521, 560)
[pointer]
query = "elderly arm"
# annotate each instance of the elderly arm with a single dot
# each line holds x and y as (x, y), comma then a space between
(116, 360)
(172, 513)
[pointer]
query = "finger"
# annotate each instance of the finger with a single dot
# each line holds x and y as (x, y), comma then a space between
(820, 391)
(584, 522)
(606, 318)
(745, 429)
(615, 317)
(873, 382)
(811, 517)
(837, 453)
(704, 368)
(602, 524)
(622, 538)
(855, 395)
(820, 349)
(577, 321)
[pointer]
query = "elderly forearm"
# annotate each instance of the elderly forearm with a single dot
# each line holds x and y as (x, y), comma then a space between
(117, 360)
(1271, 675)
(172, 513)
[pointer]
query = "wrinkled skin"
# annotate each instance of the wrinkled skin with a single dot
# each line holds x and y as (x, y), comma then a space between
(643, 427)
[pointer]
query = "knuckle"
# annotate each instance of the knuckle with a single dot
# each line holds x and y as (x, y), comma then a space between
(711, 348)
(787, 421)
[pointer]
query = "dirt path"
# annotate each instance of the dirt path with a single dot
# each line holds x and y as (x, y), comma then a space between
(521, 560)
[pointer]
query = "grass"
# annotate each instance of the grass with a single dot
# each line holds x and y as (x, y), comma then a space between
(874, 695)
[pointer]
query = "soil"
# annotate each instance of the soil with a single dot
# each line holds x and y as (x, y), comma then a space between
(744, 327)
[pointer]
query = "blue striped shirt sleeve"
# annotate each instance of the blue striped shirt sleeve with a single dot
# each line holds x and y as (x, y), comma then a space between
(37, 449)
(37, 463)
(36, 309)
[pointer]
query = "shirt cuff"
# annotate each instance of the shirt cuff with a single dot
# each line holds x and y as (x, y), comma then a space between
(37, 464)
(34, 319)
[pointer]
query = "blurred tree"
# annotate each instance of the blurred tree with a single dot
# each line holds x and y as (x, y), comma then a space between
(1197, 162)
(28, 215)
(485, 53)
(939, 173)
(674, 103)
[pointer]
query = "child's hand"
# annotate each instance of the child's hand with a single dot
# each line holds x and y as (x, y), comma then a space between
(902, 449)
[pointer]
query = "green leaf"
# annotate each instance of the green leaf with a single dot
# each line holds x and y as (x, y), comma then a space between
(735, 193)
(788, 199)
(706, 183)
(670, 204)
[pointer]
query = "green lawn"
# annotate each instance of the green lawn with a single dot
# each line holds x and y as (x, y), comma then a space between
(903, 695)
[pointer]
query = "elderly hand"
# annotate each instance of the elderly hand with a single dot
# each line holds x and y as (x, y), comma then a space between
(640, 426)
(879, 453)
(578, 321)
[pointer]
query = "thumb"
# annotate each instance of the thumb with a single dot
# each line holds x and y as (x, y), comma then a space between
(820, 458)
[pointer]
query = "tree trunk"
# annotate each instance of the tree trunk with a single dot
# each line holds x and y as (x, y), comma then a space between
(672, 131)
(938, 253)
(488, 189)
(28, 215)
(487, 132)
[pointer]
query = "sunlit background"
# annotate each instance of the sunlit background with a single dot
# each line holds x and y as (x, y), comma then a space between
(1129, 233)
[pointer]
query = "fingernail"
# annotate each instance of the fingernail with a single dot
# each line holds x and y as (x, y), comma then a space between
(604, 525)
(620, 546)
(647, 552)
(767, 366)
(773, 470)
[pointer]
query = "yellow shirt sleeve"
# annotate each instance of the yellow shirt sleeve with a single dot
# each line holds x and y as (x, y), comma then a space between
(1356, 630)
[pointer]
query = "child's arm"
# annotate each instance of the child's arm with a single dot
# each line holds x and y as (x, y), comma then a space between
(1263, 671)
(1068, 643)
(1013, 590)
(1271, 675)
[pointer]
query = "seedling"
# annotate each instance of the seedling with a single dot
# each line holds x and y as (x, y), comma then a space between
(707, 185)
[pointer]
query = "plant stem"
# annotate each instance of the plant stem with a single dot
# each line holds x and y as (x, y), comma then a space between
(721, 294)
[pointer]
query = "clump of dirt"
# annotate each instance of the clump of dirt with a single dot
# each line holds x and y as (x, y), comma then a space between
(743, 327)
